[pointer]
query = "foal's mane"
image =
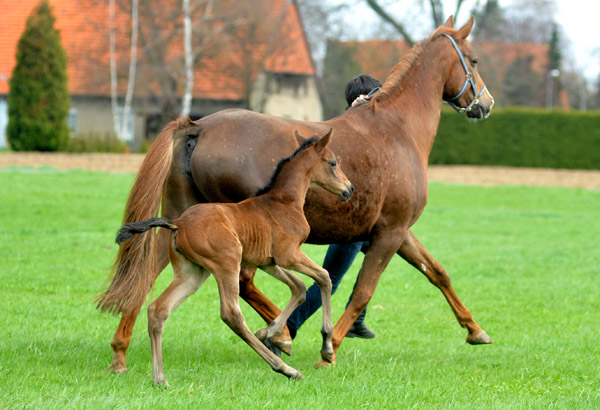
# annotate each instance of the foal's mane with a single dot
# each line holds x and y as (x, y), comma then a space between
(307, 143)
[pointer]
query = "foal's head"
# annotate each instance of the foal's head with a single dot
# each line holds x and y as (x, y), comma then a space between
(465, 91)
(326, 171)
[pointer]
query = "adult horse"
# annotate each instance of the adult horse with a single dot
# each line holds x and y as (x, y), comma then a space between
(383, 146)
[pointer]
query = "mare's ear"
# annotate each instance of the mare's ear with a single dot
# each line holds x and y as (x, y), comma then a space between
(465, 30)
(450, 22)
(299, 137)
(322, 143)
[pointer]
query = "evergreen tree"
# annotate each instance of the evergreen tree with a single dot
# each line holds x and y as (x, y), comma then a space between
(520, 83)
(491, 22)
(38, 102)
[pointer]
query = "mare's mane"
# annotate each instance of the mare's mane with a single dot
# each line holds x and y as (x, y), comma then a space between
(399, 72)
(307, 143)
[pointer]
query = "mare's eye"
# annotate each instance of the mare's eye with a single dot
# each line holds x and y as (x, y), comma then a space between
(474, 62)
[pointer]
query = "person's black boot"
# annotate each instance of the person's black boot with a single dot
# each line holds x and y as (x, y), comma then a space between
(359, 329)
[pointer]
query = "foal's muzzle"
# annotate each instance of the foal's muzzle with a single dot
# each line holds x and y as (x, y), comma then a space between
(347, 194)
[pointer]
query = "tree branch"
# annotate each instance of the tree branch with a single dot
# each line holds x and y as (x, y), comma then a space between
(386, 17)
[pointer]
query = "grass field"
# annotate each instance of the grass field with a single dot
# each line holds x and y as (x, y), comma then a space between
(524, 260)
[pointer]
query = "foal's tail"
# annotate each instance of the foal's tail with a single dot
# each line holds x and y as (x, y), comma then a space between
(135, 265)
(129, 229)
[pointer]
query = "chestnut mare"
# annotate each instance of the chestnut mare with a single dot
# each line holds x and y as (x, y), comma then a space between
(265, 231)
(384, 146)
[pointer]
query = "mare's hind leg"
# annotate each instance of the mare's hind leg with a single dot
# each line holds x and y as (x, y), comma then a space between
(264, 307)
(416, 254)
(298, 289)
(186, 280)
(122, 337)
(228, 282)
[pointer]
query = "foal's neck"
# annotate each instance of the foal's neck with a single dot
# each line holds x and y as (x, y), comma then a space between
(293, 181)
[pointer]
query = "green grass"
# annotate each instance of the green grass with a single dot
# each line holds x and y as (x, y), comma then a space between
(524, 260)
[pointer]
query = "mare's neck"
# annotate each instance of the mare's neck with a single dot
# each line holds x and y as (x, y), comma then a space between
(410, 101)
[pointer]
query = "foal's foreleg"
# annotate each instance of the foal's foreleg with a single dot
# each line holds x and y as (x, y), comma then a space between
(416, 254)
(264, 307)
(303, 264)
(122, 337)
(228, 283)
(298, 289)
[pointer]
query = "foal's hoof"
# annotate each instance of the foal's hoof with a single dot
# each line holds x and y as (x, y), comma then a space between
(296, 375)
(284, 346)
(480, 339)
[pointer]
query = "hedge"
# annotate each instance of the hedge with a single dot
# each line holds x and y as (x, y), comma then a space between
(520, 137)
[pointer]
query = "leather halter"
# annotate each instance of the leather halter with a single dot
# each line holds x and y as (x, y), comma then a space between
(468, 80)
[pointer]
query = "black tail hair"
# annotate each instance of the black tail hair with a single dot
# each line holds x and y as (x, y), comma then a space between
(129, 229)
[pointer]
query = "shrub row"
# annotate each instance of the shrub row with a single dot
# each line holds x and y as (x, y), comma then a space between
(520, 137)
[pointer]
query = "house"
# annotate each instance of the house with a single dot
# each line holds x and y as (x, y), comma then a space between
(247, 54)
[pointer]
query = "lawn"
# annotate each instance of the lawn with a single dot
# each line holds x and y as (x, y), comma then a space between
(524, 260)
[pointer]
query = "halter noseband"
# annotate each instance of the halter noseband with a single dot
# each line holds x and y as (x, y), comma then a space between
(468, 80)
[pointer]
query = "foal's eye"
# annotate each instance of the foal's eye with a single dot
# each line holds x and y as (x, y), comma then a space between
(333, 164)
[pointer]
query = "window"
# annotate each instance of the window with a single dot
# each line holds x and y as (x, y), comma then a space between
(72, 120)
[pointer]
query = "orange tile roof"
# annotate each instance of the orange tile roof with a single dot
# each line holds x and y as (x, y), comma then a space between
(84, 24)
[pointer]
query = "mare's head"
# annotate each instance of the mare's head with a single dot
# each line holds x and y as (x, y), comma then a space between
(464, 90)
(326, 171)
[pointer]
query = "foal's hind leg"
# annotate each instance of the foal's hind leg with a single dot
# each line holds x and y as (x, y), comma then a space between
(187, 279)
(298, 289)
(122, 337)
(416, 254)
(228, 282)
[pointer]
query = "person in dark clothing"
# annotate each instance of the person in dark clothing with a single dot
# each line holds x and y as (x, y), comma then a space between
(339, 257)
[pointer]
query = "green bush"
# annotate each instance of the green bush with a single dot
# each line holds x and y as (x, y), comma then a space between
(522, 138)
(96, 142)
(38, 102)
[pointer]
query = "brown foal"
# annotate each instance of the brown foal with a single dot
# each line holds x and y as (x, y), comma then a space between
(265, 231)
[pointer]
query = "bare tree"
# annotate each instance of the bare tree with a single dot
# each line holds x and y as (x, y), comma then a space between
(189, 59)
(121, 127)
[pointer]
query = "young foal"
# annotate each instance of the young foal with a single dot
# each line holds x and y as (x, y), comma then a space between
(265, 231)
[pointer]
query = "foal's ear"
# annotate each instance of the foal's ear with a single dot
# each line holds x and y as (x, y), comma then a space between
(450, 22)
(322, 143)
(299, 137)
(465, 30)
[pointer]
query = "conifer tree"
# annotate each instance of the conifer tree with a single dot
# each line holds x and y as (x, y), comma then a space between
(38, 102)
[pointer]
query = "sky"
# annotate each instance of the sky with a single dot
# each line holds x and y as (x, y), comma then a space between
(578, 18)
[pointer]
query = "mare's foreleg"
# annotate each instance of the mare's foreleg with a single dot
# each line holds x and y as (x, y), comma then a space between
(298, 289)
(416, 254)
(380, 252)
(186, 280)
(122, 337)
(264, 307)
(229, 288)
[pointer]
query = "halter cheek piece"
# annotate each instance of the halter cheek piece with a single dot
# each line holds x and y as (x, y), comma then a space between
(468, 80)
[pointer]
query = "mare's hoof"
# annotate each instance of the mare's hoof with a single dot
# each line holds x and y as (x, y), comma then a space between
(261, 335)
(322, 363)
(117, 369)
(480, 339)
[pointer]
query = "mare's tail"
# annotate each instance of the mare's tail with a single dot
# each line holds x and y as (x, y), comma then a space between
(135, 265)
